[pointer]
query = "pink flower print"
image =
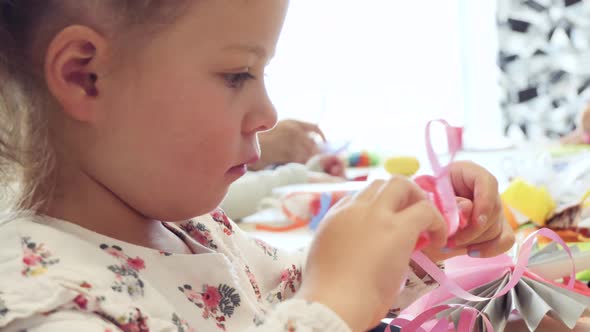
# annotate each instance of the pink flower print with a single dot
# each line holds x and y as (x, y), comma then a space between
(130, 327)
(211, 297)
(126, 273)
(285, 276)
(268, 250)
(192, 295)
(31, 259)
(290, 280)
(36, 258)
(218, 303)
(136, 263)
(254, 283)
(81, 301)
(115, 252)
(199, 232)
(200, 237)
(220, 320)
(221, 218)
(181, 324)
(136, 322)
(290, 326)
(206, 314)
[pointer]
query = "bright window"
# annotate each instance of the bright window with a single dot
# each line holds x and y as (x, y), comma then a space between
(374, 71)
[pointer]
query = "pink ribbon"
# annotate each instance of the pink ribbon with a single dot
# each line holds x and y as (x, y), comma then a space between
(466, 321)
(451, 287)
(442, 182)
(518, 269)
(446, 196)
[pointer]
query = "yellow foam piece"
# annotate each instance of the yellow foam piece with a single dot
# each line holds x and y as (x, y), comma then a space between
(534, 202)
(403, 165)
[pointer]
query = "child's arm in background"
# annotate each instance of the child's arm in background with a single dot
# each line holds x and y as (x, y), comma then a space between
(245, 194)
(290, 141)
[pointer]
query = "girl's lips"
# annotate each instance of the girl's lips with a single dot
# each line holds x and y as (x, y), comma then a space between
(241, 169)
(238, 170)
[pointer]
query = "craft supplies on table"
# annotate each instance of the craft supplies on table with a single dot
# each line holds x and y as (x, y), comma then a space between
(402, 165)
(501, 286)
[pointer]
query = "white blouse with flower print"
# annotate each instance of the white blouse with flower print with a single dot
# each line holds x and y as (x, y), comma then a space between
(57, 276)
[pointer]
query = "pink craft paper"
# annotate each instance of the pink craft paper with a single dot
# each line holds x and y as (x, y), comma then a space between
(444, 187)
(468, 273)
(455, 285)
(442, 325)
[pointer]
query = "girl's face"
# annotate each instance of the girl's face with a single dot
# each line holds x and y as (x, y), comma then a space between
(180, 116)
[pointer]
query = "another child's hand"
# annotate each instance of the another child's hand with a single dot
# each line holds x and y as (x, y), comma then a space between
(360, 255)
(333, 165)
(290, 141)
(327, 163)
(488, 233)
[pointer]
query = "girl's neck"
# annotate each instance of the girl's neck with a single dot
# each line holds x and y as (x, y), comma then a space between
(82, 200)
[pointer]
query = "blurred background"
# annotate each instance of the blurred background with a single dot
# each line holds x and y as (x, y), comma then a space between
(374, 72)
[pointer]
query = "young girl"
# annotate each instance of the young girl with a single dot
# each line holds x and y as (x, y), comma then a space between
(118, 115)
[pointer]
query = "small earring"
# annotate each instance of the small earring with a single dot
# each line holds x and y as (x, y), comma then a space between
(91, 89)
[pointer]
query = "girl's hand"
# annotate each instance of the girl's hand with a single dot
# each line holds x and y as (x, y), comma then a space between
(360, 255)
(488, 233)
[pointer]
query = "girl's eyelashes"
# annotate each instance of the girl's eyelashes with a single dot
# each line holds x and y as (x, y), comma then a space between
(237, 80)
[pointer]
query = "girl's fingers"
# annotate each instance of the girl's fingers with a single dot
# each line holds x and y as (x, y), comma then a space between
(424, 217)
(399, 193)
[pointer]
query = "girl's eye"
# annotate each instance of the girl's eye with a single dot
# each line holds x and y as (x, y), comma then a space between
(237, 80)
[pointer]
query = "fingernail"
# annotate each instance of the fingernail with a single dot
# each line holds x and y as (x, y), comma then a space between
(475, 253)
(482, 220)
(463, 205)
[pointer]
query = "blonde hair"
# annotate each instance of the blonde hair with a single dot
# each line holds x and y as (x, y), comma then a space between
(27, 160)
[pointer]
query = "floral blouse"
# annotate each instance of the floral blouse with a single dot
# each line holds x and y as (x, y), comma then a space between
(57, 276)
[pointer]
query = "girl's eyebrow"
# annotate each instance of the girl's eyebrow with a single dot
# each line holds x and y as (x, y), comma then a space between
(258, 50)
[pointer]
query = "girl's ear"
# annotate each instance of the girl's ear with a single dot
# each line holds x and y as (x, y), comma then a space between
(73, 64)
